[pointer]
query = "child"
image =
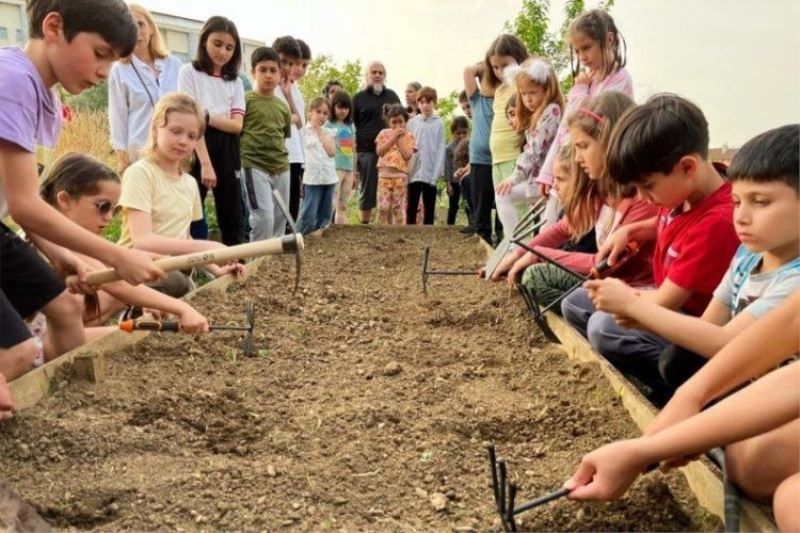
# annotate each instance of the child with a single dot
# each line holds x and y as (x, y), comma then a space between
(661, 148)
(291, 60)
(342, 121)
(765, 270)
(394, 147)
(331, 88)
(538, 113)
(759, 425)
(86, 192)
(506, 51)
(428, 132)
(480, 94)
(459, 129)
(463, 102)
(88, 35)
(213, 80)
(592, 202)
(265, 158)
(319, 179)
(596, 44)
(159, 199)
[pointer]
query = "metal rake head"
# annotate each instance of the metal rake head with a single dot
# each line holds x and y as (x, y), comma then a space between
(535, 311)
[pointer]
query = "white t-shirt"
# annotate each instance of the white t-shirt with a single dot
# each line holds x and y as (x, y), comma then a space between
(294, 144)
(214, 94)
(320, 167)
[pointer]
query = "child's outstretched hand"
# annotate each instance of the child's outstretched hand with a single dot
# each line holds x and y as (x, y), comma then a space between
(607, 472)
(584, 78)
(193, 322)
(611, 295)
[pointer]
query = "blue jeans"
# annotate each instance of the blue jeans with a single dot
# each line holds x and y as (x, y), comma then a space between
(317, 208)
(632, 351)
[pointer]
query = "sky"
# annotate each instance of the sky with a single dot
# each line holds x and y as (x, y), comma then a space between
(739, 60)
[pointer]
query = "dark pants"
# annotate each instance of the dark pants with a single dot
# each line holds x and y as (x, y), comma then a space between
(223, 150)
(367, 180)
(459, 190)
(483, 200)
(466, 193)
(428, 193)
(676, 365)
(295, 188)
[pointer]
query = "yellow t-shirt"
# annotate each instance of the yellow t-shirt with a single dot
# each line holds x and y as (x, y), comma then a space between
(504, 142)
(173, 203)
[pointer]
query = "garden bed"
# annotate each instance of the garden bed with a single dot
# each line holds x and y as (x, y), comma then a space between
(365, 407)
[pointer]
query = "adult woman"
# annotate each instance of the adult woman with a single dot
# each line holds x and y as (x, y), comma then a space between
(134, 87)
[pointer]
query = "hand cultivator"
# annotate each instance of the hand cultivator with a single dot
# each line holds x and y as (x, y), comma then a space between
(505, 493)
(426, 253)
(143, 324)
(599, 271)
(528, 225)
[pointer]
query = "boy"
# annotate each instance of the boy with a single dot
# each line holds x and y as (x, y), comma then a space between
(459, 130)
(463, 101)
(428, 163)
(265, 158)
(661, 147)
(765, 270)
(291, 55)
(73, 43)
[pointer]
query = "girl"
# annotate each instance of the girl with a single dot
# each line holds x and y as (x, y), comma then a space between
(135, 85)
(505, 141)
(597, 45)
(591, 200)
(538, 113)
(159, 199)
(342, 121)
(411, 99)
(319, 179)
(86, 192)
(394, 147)
(213, 80)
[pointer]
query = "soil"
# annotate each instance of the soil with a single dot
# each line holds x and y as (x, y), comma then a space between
(365, 407)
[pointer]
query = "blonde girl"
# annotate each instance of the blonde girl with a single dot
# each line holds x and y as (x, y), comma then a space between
(135, 84)
(539, 104)
(86, 192)
(159, 199)
(592, 201)
(597, 46)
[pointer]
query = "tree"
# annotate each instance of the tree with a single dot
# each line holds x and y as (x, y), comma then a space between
(94, 99)
(322, 69)
(445, 108)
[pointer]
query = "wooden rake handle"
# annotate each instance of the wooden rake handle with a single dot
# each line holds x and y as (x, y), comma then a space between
(279, 245)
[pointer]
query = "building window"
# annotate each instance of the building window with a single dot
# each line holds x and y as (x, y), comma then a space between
(3, 33)
(20, 40)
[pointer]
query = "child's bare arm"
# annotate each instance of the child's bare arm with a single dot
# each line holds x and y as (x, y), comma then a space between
(642, 231)
(327, 142)
(470, 82)
(143, 238)
(37, 217)
(232, 124)
(737, 362)
(404, 145)
(207, 173)
(383, 145)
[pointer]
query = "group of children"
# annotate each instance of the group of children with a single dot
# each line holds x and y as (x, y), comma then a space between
(715, 271)
(699, 252)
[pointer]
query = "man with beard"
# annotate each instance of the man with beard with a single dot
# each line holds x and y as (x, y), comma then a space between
(368, 120)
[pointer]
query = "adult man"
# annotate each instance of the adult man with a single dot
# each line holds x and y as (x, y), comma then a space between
(368, 120)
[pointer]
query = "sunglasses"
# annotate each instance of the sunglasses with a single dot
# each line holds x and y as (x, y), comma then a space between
(105, 207)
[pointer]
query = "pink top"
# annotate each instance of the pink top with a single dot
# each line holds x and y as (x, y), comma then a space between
(578, 95)
(638, 271)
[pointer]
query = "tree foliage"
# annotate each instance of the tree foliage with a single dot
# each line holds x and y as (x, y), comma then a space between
(322, 69)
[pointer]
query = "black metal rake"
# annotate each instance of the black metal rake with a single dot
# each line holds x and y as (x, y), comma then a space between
(426, 254)
(505, 493)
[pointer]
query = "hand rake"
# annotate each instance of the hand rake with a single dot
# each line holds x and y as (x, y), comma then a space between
(529, 224)
(142, 324)
(426, 253)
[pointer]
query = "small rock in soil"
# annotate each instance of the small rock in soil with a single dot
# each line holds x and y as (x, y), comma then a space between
(392, 369)
(439, 501)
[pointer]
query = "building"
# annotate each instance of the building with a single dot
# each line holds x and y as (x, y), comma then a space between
(180, 34)
(13, 22)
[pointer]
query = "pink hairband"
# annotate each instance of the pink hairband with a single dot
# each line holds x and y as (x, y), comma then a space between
(591, 113)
